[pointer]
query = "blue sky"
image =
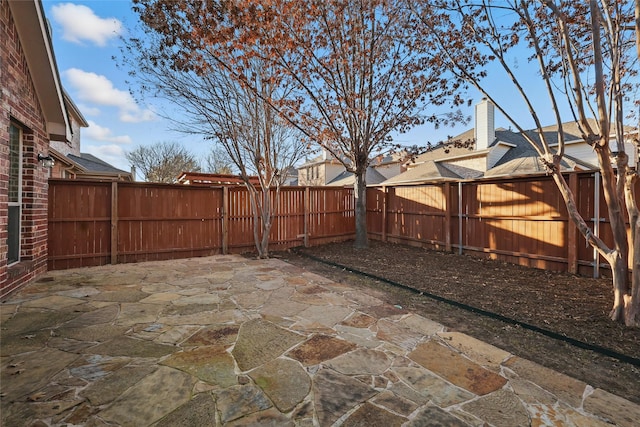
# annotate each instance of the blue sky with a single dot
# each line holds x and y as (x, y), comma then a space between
(87, 35)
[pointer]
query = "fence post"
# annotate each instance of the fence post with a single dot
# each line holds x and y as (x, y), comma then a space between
(447, 216)
(384, 212)
(572, 230)
(114, 222)
(307, 202)
(225, 220)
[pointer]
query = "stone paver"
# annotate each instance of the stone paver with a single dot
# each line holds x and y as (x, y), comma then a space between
(563, 387)
(260, 342)
(284, 381)
(457, 368)
(612, 408)
(319, 348)
(373, 416)
(336, 394)
(361, 362)
(240, 400)
(151, 398)
(231, 341)
(501, 409)
(431, 387)
(211, 364)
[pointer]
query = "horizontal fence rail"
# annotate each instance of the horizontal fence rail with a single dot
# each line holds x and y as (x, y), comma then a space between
(519, 220)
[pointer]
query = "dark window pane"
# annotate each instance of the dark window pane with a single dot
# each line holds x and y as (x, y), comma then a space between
(14, 234)
(14, 164)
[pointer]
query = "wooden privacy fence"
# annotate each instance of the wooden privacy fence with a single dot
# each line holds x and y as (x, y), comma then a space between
(519, 220)
(95, 223)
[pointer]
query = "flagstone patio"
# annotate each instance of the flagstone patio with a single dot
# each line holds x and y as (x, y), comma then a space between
(230, 341)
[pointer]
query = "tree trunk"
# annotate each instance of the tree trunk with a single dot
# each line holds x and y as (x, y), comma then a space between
(360, 194)
(619, 272)
(632, 302)
(256, 210)
(614, 257)
(267, 218)
(619, 257)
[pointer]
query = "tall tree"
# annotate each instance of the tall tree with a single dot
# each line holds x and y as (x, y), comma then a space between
(584, 55)
(162, 162)
(357, 68)
(235, 113)
(217, 161)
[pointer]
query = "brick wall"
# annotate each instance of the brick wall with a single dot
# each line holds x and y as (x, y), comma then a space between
(20, 105)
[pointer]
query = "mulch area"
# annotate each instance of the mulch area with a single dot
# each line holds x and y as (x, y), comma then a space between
(569, 305)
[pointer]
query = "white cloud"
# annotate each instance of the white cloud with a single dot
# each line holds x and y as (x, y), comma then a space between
(88, 111)
(80, 23)
(97, 89)
(112, 154)
(140, 116)
(100, 133)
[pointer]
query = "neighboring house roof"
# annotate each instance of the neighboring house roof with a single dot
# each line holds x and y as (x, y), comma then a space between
(91, 165)
(425, 171)
(208, 179)
(390, 158)
(347, 179)
(439, 163)
(571, 130)
(530, 162)
(318, 160)
(35, 39)
(443, 150)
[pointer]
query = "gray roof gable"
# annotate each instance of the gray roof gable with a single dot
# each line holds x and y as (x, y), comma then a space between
(93, 164)
(347, 178)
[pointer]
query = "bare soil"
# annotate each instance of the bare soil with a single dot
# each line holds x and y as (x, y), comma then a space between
(572, 306)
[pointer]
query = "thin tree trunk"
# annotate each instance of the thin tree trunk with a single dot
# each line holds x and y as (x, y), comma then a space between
(360, 194)
(613, 257)
(619, 258)
(267, 218)
(632, 301)
(256, 208)
(619, 272)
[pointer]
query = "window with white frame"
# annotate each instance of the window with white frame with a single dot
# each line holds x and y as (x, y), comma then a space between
(15, 193)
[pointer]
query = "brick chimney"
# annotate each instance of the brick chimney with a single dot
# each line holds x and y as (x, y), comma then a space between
(485, 130)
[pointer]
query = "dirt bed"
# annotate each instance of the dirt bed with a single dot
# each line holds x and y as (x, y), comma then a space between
(572, 306)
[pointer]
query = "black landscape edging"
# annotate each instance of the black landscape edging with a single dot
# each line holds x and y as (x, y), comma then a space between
(554, 335)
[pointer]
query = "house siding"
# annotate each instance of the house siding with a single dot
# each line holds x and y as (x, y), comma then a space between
(583, 151)
(476, 163)
(496, 154)
(319, 173)
(72, 147)
(21, 106)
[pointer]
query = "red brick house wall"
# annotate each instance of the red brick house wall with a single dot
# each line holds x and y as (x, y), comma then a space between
(21, 106)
